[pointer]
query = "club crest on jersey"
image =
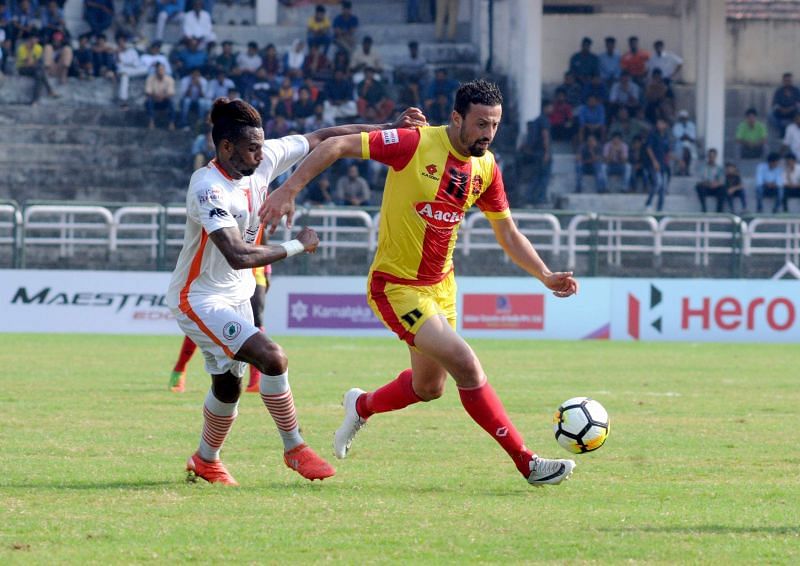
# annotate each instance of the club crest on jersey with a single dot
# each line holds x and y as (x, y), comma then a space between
(390, 137)
(439, 214)
(430, 172)
(477, 184)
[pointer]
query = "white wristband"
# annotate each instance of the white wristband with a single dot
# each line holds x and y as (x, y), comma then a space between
(293, 247)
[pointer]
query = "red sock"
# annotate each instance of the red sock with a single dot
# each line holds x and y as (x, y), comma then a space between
(394, 395)
(187, 350)
(486, 409)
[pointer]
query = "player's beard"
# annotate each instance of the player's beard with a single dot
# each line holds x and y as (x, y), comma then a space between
(238, 163)
(474, 149)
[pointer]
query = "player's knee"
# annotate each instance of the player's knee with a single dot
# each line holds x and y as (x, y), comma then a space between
(227, 387)
(429, 391)
(273, 360)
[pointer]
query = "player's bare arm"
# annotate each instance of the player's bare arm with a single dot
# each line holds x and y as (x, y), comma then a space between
(241, 255)
(522, 252)
(410, 118)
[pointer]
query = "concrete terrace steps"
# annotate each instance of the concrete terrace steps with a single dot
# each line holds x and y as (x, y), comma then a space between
(101, 155)
(123, 136)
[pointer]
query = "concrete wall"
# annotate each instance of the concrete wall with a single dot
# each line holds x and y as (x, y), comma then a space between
(758, 51)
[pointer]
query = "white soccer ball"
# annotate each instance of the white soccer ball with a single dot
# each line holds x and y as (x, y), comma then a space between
(581, 425)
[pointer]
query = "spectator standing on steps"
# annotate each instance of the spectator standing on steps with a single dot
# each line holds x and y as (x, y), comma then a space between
(352, 189)
(712, 182)
(785, 104)
(159, 89)
(129, 64)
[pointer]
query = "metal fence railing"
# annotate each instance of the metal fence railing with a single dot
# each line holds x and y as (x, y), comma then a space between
(157, 231)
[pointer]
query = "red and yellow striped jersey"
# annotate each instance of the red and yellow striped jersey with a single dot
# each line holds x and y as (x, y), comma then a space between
(429, 188)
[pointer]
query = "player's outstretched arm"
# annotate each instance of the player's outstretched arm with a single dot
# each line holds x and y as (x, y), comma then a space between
(280, 202)
(522, 252)
(410, 118)
(241, 255)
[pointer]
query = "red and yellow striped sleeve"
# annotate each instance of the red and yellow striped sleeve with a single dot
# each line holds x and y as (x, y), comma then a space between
(493, 202)
(394, 148)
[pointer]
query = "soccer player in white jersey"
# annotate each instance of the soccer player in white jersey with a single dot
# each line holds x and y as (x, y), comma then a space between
(211, 286)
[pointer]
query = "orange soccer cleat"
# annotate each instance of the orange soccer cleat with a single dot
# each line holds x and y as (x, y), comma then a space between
(177, 381)
(212, 472)
(305, 462)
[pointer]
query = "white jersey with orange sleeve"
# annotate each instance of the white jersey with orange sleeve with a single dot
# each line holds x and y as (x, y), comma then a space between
(215, 201)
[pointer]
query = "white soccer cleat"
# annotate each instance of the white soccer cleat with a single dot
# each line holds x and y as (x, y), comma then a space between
(344, 435)
(549, 472)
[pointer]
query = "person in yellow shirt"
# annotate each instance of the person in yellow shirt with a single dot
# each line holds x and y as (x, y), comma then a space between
(29, 64)
(319, 29)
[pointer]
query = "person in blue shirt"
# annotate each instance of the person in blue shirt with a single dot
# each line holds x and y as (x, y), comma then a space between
(584, 64)
(592, 119)
(345, 26)
(658, 147)
(610, 68)
(769, 182)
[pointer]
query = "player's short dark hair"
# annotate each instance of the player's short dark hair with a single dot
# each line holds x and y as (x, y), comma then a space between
(230, 118)
(479, 91)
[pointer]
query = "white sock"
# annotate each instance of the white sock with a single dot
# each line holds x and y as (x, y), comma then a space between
(277, 397)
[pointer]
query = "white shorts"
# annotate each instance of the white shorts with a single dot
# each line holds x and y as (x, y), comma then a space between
(220, 330)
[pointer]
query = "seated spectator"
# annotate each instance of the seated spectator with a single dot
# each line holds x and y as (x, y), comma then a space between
(339, 98)
(791, 138)
(536, 151)
(410, 95)
(197, 24)
(562, 123)
(294, 59)
(219, 86)
(193, 91)
(595, 87)
(572, 90)
(616, 160)
(667, 62)
(440, 85)
(638, 159)
(247, 64)
(609, 63)
(345, 26)
(363, 57)
(635, 61)
(303, 107)
(341, 61)
(318, 192)
(226, 61)
(154, 56)
(263, 95)
(413, 67)
(712, 182)
(319, 29)
(658, 103)
(769, 182)
(373, 104)
(29, 63)
(52, 21)
(57, 57)
(132, 15)
(129, 64)
(99, 14)
(439, 112)
(5, 42)
(685, 134)
(589, 161)
(313, 89)
(167, 10)
(734, 187)
(318, 120)
(276, 127)
(159, 90)
(791, 180)
(584, 64)
(104, 63)
(316, 65)
(83, 57)
(751, 135)
(625, 94)
(203, 149)
(352, 189)
(191, 57)
(785, 104)
(658, 148)
(592, 120)
(22, 21)
(270, 60)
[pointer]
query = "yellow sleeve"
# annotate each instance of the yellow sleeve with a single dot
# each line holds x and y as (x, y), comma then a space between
(364, 145)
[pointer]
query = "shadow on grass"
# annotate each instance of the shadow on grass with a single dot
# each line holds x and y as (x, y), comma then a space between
(710, 529)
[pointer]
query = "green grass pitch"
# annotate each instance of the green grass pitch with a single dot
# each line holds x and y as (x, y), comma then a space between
(701, 466)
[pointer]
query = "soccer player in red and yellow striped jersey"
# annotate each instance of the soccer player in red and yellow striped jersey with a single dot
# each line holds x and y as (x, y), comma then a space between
(435, 176)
